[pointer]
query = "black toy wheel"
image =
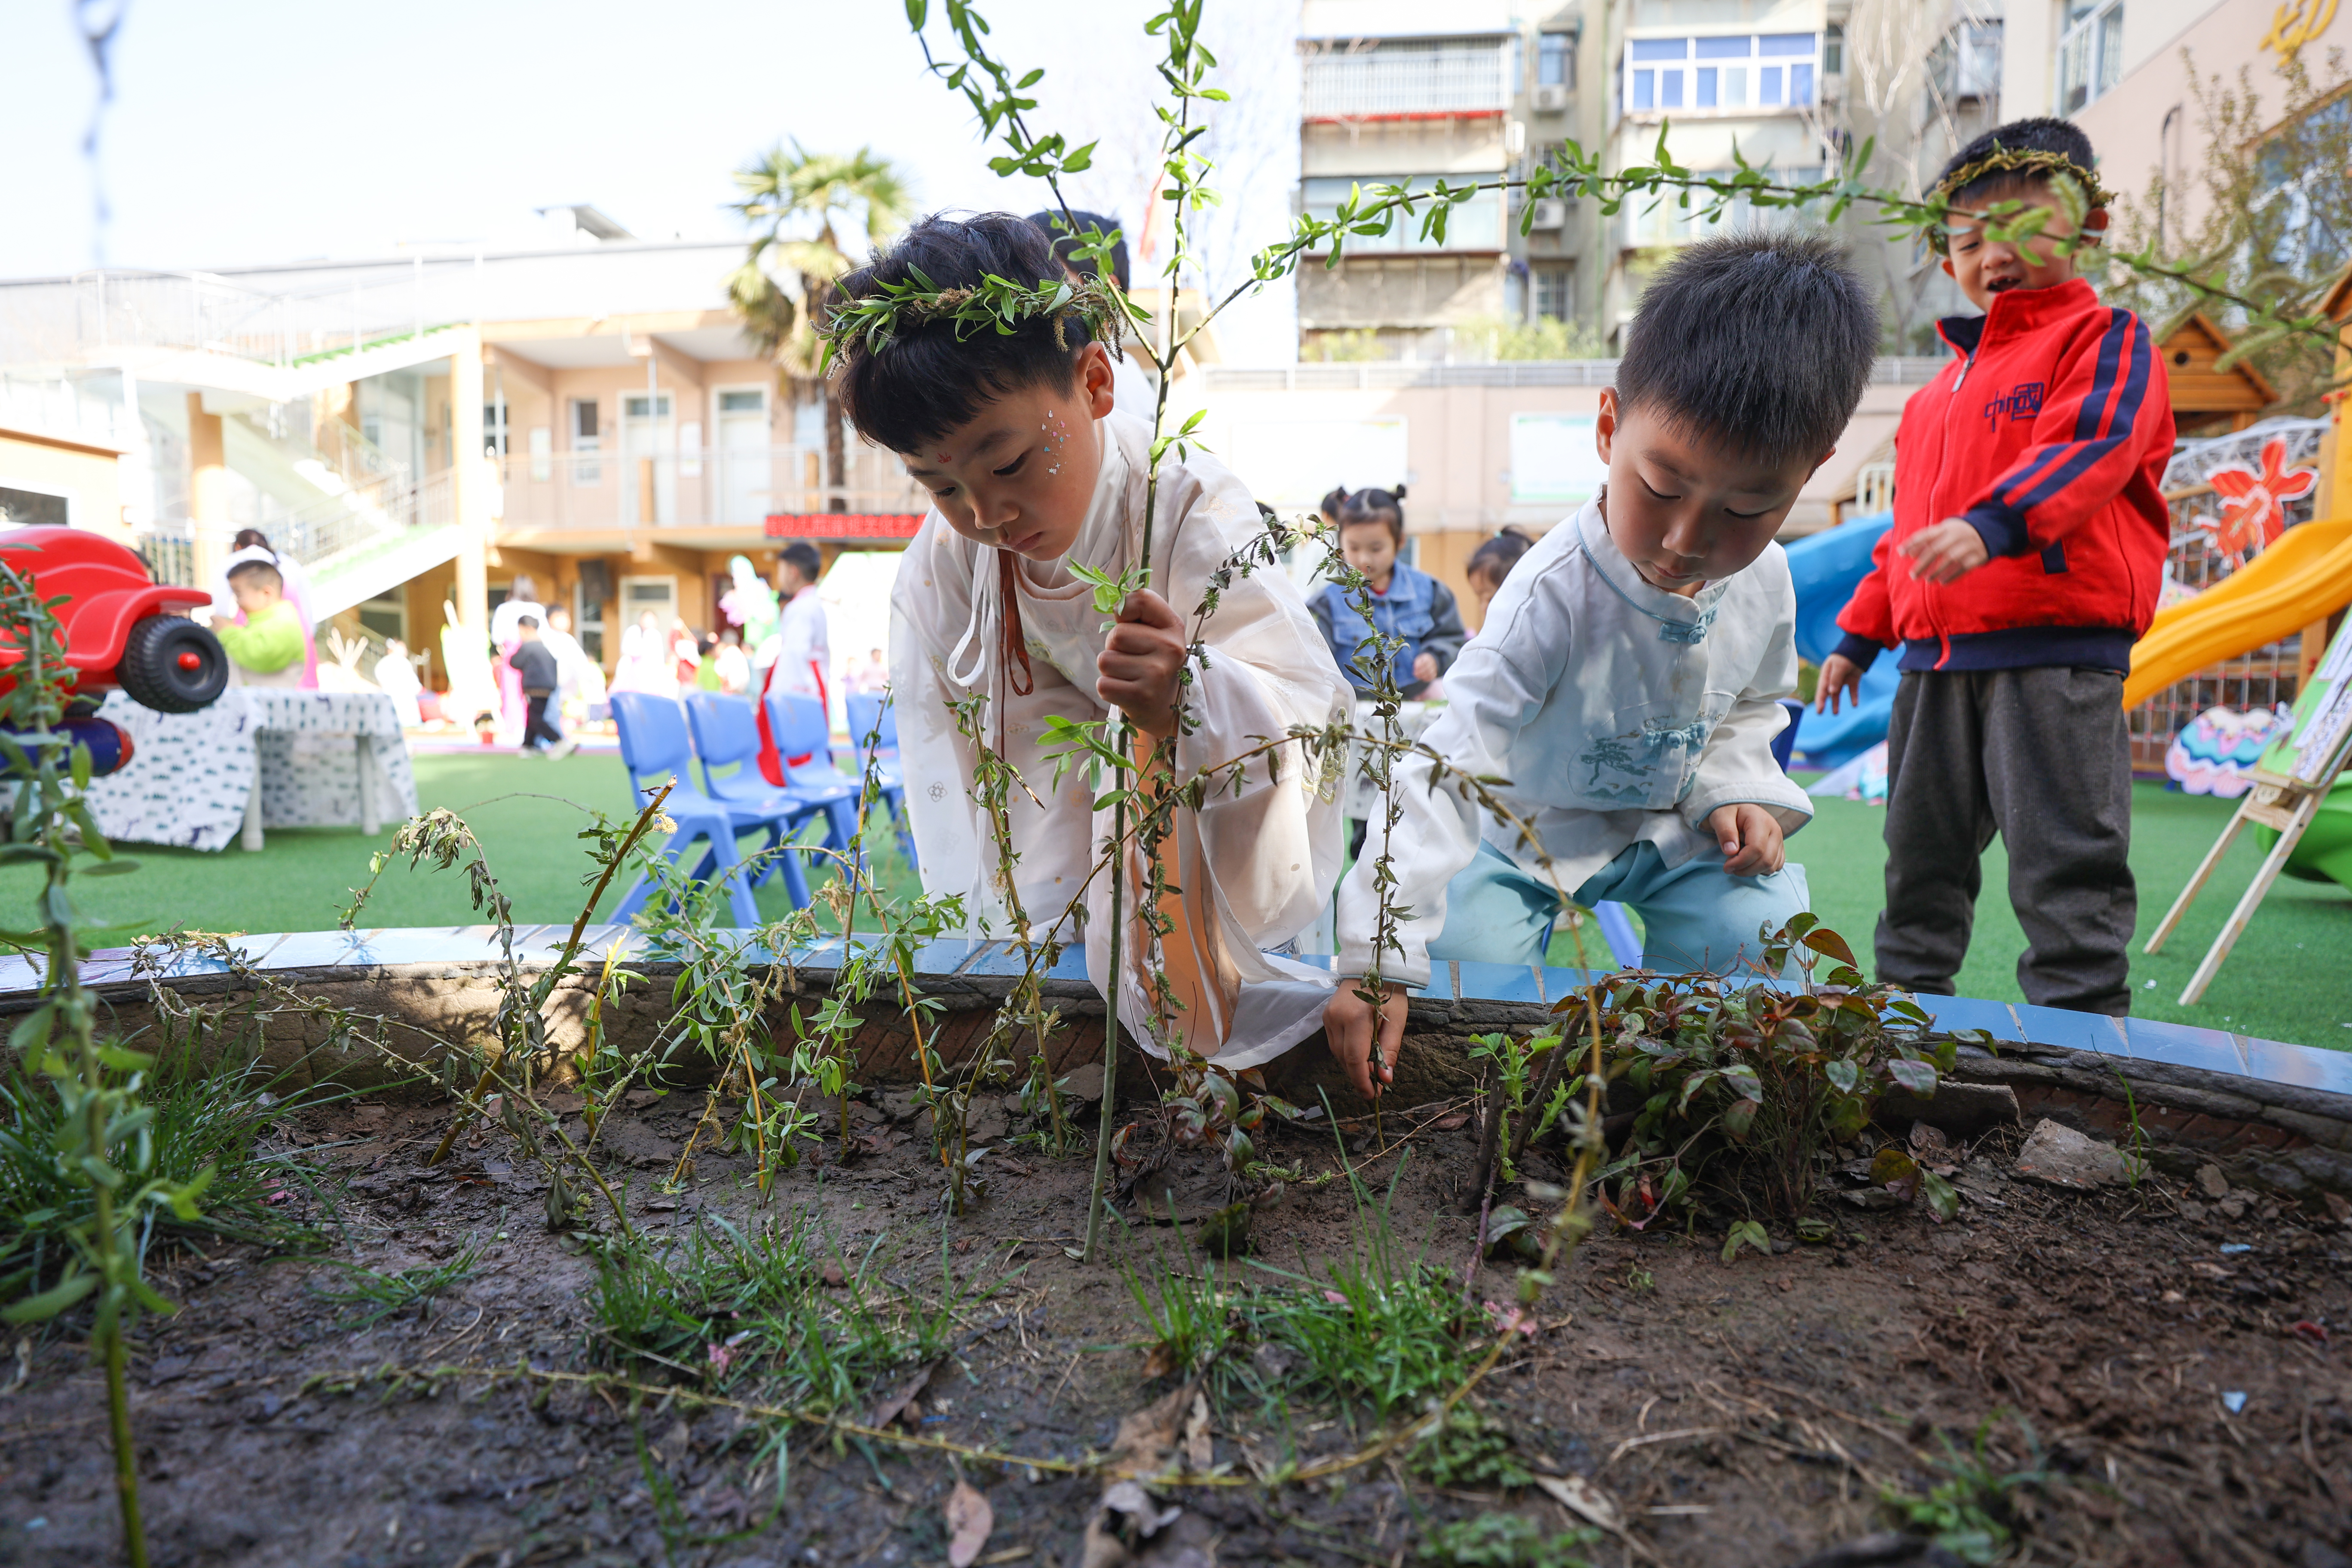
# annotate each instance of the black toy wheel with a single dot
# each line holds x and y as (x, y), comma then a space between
(173, 664)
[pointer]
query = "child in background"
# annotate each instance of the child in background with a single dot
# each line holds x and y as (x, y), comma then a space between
(734, 664)
(1627, 679)
(534, 667)
(1407, 602)
(2025, 559)
(266, 650)
(1033, 472)
(803, 647)
(522, 599)
(578, 681)
(646, 664)
(1492, 561)
(252, 544)
(396, 679)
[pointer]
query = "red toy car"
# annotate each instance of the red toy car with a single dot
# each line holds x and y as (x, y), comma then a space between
(122, 627)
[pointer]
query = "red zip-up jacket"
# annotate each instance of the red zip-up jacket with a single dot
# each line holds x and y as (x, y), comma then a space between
(2050, 435)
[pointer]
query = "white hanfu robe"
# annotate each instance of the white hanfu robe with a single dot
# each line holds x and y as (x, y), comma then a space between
(1255, 864)
(804, 657)
(1621, 714)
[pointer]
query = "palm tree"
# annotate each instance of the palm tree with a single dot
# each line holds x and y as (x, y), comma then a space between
(786, 189)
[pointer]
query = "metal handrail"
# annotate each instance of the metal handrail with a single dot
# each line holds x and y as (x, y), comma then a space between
(701, 486)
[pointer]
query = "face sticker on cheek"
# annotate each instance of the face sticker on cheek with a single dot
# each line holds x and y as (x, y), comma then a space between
(1057, 436)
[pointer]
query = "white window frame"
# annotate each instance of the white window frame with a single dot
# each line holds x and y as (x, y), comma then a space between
(1753, 64)
(47, 488)
(630, 610)
(2089, 33)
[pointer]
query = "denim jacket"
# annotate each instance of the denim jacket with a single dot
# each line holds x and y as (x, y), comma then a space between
(1416, 607)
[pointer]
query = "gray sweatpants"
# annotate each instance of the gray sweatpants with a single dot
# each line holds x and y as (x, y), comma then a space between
(2041, 756)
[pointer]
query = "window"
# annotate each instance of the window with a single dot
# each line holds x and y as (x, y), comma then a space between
(1556, 59)
(2090, 51)
(24, 507)
(1966, 61)
(585, 443)
(1552, 292)
(1655, 79)
(1475, 225)
(494, 428)
(1649, 222)
(1833, 50)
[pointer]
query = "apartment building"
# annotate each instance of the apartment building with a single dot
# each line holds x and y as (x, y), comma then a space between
(1712, 75)
(419, 430)
(1412, 95)
(2122, 70)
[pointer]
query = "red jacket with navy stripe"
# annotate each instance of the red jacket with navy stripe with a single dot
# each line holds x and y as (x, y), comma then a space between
(2050, 435)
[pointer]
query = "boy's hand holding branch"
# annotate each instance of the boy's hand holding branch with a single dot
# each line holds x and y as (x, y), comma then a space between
(1142, 662)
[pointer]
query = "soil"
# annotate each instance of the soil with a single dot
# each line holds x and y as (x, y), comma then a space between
(1740, 1414)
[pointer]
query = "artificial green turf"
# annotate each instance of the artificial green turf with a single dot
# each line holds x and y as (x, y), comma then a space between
(525, 810)
(2290, 977)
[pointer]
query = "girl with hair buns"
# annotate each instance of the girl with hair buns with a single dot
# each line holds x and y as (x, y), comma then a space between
(1406, 602)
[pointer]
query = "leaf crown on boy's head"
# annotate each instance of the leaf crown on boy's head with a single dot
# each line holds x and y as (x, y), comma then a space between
(1760, 341)
(936, 327)
(2023, 151)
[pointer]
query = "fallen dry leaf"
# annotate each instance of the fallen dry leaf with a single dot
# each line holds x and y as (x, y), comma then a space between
(894, 1405)
(1199, 1452)
(969, 1518)
(1150, 1441)
(1159, 1360)
(1584, 1500)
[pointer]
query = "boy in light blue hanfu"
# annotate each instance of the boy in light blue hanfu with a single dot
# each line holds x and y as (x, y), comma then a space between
(1626, 682)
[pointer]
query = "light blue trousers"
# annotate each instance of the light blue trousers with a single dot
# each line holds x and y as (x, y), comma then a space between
(1693, 916)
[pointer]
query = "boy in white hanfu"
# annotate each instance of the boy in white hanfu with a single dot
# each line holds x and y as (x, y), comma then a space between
(1033, 476)
(1626, 680)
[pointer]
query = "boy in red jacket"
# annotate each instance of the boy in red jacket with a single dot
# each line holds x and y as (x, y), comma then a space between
(2028, 545)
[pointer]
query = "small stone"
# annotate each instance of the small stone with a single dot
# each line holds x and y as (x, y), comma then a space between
(1273, 1362)
(2212, 1181)
(2055, 1155)
(1084, 1082)
(2190, 1209)
(2231, 1207)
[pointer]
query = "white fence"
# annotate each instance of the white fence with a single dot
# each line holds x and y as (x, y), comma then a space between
(1408, 78)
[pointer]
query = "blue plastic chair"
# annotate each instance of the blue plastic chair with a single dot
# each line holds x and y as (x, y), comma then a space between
(655, 747)
(726, 733)
(798, 727)
(1616, 925)
(878, 716)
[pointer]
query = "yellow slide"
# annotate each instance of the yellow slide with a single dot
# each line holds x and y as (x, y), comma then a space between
(2304, 577)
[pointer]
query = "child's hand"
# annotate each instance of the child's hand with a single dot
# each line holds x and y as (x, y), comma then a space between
(1841, 678)
(1424, 667)
(1945, 553)
(1750, 837)
(1140, 662)
(1348, 1024)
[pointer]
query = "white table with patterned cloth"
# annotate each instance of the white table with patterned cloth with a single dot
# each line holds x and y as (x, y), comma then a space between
(259, 757)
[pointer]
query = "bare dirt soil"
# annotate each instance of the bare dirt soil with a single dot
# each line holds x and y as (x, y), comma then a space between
(2156, 1385)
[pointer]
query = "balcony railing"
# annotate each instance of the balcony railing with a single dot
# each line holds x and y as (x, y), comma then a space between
(710, 486)
(1406, 79)
(97, 311)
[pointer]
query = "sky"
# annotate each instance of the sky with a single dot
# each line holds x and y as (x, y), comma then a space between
(253, 131)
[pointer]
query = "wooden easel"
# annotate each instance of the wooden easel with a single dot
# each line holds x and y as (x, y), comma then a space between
(2291, 783)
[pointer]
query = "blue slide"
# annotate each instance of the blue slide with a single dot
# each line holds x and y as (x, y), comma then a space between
(1825, 568)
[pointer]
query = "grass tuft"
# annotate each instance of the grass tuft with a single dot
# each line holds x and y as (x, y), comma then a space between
(195, 1120)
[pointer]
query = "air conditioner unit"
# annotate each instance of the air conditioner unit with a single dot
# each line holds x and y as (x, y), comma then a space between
(1552, 98)
(1551, 212)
